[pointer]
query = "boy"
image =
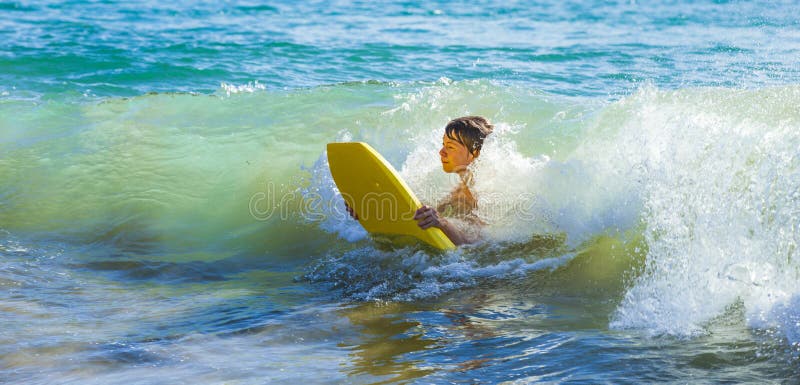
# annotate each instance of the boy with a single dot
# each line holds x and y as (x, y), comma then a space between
(461, 145)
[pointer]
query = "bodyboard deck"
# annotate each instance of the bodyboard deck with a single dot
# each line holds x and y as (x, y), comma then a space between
(385, 205)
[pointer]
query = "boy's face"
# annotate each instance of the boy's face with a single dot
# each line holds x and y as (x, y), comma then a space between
(454, 155)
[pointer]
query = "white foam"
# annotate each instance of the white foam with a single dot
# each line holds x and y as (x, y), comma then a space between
(330, 211)
(721, 174)
(785, 316)
(519, 196)
(250, 87)
(408, 274)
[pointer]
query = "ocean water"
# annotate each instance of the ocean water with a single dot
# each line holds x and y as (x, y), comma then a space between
(167, 214)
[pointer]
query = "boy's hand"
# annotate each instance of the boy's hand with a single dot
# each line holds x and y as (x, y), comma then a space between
(427, 216)
(350, 211)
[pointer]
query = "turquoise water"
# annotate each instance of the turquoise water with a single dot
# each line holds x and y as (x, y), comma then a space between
(167, 215)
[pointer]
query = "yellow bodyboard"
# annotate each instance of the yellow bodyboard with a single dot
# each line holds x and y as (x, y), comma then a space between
(381, 199)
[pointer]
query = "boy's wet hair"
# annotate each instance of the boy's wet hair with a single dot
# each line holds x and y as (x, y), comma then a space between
(469, 131)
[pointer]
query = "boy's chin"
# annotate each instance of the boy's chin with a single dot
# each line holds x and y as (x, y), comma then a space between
(451, 169)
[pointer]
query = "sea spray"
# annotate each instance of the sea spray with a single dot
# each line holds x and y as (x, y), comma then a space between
(720, 185)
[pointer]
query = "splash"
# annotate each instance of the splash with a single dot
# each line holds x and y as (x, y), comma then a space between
(720, 184)
(408, 274)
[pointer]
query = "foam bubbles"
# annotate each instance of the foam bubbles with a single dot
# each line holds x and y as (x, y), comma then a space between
(329, 210)
(250, 87)
(785, 316)
(407, 274)
(720, 171)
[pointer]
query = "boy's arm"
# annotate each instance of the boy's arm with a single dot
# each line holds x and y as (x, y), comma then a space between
(427, 216)
(456, 236)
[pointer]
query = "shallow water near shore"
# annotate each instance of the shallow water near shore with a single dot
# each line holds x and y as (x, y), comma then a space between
(167, 214)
